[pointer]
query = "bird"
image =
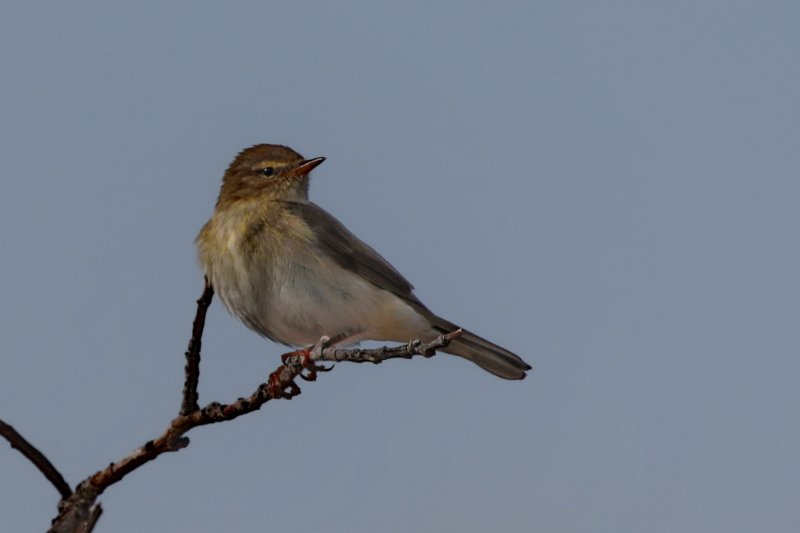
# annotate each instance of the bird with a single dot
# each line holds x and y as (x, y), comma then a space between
(293, 273)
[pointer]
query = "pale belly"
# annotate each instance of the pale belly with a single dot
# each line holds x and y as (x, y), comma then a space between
(301, 296)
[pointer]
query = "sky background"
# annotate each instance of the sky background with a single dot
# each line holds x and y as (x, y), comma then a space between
(610, 189)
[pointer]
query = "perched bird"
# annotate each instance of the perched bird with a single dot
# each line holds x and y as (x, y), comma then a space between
(293, 273)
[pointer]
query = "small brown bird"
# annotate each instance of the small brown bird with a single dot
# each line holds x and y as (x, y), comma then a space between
(293, 273)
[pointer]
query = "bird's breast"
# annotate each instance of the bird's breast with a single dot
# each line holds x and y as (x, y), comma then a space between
(270, 272)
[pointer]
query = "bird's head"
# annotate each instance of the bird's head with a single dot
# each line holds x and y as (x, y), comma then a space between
(268, 171)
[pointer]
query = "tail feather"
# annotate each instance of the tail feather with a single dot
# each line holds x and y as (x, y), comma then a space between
(485, 354)
(488, 356)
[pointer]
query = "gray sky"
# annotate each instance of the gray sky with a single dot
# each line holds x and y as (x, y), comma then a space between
(607, 188)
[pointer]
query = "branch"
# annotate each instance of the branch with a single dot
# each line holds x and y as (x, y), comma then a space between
(322, 352)
(78, 508)
(18, 442)
(192, 369)
(94, 516)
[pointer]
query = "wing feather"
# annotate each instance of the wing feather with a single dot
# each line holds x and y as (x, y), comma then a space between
(352, 253)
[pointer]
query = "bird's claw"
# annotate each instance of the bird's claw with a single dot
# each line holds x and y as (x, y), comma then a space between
(307, 363)
(311, 367)
(277, 388)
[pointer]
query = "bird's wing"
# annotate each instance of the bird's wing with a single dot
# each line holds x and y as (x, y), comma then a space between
(351, 253)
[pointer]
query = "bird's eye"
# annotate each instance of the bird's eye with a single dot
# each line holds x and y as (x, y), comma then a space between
(269, 171)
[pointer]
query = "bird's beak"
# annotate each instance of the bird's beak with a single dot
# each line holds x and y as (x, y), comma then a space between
(307, 166)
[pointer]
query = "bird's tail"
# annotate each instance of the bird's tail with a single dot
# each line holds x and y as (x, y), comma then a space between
(485, 354)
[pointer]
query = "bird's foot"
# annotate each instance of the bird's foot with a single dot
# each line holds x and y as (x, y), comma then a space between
(277, 388)
(307, 358)
(287, 358)
(313, 368)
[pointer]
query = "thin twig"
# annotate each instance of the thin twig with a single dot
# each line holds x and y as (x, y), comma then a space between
(173, 438)
(77, 509)
(190, 397)
(38, 459)
(322, 352)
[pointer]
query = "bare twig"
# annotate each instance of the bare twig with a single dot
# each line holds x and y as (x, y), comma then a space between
(77, 509)
(38, 459)
(193, 351)
(322, 352)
